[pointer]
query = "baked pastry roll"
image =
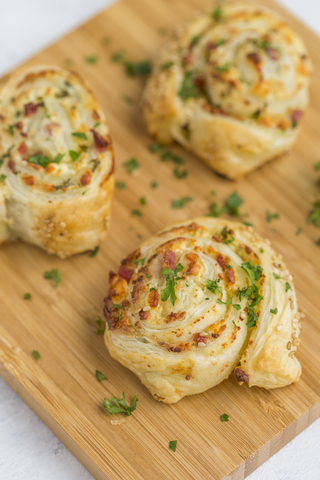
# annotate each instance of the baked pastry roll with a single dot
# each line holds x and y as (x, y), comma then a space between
(199, 300)
(57, 166)
(232, 87)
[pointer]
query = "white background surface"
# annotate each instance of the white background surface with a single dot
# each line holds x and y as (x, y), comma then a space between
(28, 449)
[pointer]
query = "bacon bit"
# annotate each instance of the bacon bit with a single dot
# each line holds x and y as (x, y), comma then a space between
(85, 179)
(241, 376)
(95, 115)
(153, 298)
(296, 116)
(193, 266)
(12, 165)
(19, 125)
(199, 82)
(125, 273)
(31, 108)
(22, 149)
(248, 249)
(101, 143)
(144, 315)
(218, 328)
(216, 239)
(193, 227)
(272, 53)
(198, 338)
(230, 275)
(28, 180)
(176, 348)
(175, 316)
(169, 259)
(111, 275)
(188, 377)
(254, 57)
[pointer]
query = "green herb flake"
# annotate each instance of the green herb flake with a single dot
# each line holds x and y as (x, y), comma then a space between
(36, 354)
(114, 405)
(138, 69)
(167, 155)
(80, 135)
(212, 286)
(143, 200)
(94, 252)
(11, 130)
(54, 274)
(248, 224)
(91, 59)
(288, 286)
(127, 99)
(223, 68)
(100, 376)
(155, 147)
(101, 328)
(276, 276)
(234, 324)
(118, 56)
(195, 40)
(131, 165)
(180, 202)
(27, 296)
(317, 166)
(180, 174)
(215, 211)
(299, 230)
(136, 213)
(74, 155)
(154, 184)
(2, 178)
(121, 185)
(265, 45)
(173, 445)
(44, 161)
(224, 418)
(261, 250)
(188, 88)
(171, 280)
(271, 216)
(314, 217)
(166, 65)
(105, 41)
(274, 311)
(233, 203)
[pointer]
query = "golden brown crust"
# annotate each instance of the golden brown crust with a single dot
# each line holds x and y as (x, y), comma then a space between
(57, 160)
(232, 89)
(221, 319)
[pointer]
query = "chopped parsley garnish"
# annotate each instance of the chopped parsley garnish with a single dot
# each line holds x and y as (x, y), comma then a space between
(118, 56)
(27, 296)
(135, 69)
(261, 250)
(101, 328)
(212, 286)
(248, 224)
(136, 213)
(173, 445)
(3, 177)
(166, 65)
(226, 237)
(317, 166)
(97, 124)
(181, 202)
(36, 354)
(288, 286)
(314, 217)
(155, 147)
(171, 280)
(299, 230)
(234, 324)
(195, 40)
(44, 161)
(271, 216)
(223, 68)
(256, 114)
(131, 165)
(11, 130)
(276, 276)
(91, 59)
(251, 293)
(180, 174)
(121, 185)
(188, 88)
(120, 406)
(154, 184)
(229, 302)
(54, 274)
(141, 261)
(94, 252)
(127, 99)
(213, 193)
(233, 203)
(80, 135)
(105, 41)
(224, 418)
(265, 45)
(217, 13)
(100, 376)
(74, 155)
(274, 311)
(167, 155)
(143, 200)
(215, 210)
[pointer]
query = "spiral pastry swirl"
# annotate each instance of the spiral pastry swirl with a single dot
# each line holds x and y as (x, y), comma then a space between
(231, 86)
(199, 300)
(56, 162)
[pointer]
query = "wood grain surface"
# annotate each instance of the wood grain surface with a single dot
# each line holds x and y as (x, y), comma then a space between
(59, 322)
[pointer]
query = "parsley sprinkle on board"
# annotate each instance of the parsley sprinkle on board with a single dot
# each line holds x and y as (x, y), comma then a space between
(314, 217)
(54, 274)
(299, 230)
(155, 147)
(118, 56)
(80, 135)
(114, 405)
(36, 354)
(105, 41)
(100, 376)
(180, 174)
(224, 418)
(271, 216)
(143, 200)
(173, 445)
(131, 165)
(317, 166)
(167, 155)
(127, 99)
(274, 311)
(136, 213)
(27, 296)
(154, 184)
(121, 185)
(91, 59)
(101, 328)
(233, 204)
(138, 69)
(180, 202)
(248, 224)
(94, 252)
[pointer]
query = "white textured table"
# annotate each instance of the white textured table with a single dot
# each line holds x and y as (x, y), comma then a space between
(28, 449)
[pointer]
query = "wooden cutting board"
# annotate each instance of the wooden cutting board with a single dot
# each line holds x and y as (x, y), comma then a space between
(60, 322)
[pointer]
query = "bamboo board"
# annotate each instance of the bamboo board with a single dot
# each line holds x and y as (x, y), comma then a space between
(60, 322)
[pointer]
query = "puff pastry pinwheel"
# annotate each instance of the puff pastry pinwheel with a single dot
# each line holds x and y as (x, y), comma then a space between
(199, 300)
(56, 162)
(232, 87)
